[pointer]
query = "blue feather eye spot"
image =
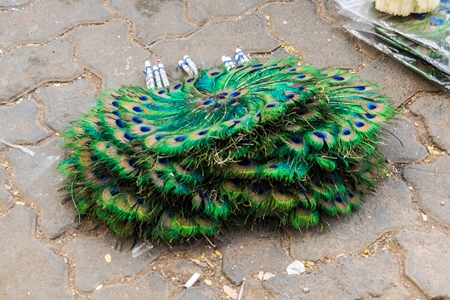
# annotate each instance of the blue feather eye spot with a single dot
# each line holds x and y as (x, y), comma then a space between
(292, 69)
(271, 105)
(324, 75)
(369, 116)
(236, 121)
(435, 21)
(132, 162)
(235, 94)
(296, 140)
(115, 103)
(232, 101)
(260, 190)
(217, 105)
(190, 79)
(128, 136)
(258, 115)
(140, 201)
(113, 192)
(273, 166)
(119, 152)
(138, 109)
(290, 96)
(301, 112)
(145, 128)
(170, 214)
(103, 177)
(203, 132)
(350, 194)
(240, 67)
(257, 65)
(160, 136)
(346, 132)
(301, 88)
(215, 73)
(320, 134)
(163, 160)
(136, 120)
(360, 88)
(338, 78)
(176, 87)
(371, 106)
(94, 158)
(116, 112)
(244, 162)
(143, 98)
(338, 198)
(161, 92)
(359, 124)
(180, 138)
(301, 76)
(207, 102)
(120, 123)
(419, 17)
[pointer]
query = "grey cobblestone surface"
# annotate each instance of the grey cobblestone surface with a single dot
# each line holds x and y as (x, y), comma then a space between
(56, 55)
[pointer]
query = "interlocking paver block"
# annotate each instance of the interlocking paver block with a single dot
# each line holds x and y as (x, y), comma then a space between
(246, 252)
(47, 19)
(207, 45)
(27, 67)
(427, 261)
(203, 10)
(436, 111)
(18, 123)
(91, 266)
(154, 19)
(12, 3)
(203, 292)
(398, 82)
(389, 209)
(348, 278)
(401, 129)
(28, 270)
(431, 182)
(322, 45)
(151, 286)
(67, 103)
(39, 180)
(6, 199)
(107, 50)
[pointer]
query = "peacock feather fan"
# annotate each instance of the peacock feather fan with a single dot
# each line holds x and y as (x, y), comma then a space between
(252, 139)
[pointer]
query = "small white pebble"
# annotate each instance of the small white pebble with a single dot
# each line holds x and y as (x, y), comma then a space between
(442, 203)
(305, 290)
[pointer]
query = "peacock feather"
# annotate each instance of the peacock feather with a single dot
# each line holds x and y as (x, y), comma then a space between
(251, 139)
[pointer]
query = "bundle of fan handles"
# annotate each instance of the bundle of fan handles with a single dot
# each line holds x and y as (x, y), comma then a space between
(274, 140)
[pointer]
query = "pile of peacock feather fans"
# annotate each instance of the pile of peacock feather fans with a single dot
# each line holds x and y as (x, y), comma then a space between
(248, 140)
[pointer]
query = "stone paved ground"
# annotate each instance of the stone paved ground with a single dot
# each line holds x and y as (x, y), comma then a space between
(55, 55)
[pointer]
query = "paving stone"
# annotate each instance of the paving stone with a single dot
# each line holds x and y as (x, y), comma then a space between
(348, 278)
(401, 129)
(107, 50)
(247, 252)
(331, 10)
(47, 19)
(39, 180)
(427, 261)
(91, 266)
(203, 10)
(203, 292)
(151, 286)
(207, 45)
(18, 123)
(28, 270)
(431, 181)
(436, 111)
(387, 210)
(27, 67)
(6, 200)
(10, 3)
(67, 103)
(154, 19)
(253, 290)
(322, 45)
(399, 82)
